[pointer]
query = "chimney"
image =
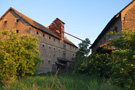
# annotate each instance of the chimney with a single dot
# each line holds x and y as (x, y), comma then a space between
(57, 27)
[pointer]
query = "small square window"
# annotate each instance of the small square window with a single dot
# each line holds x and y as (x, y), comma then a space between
(49, 47)
(115, 29)
(49, 37)
(49, 61)
(17, 31)
(17, 19)
(5, 21)
(54, 48)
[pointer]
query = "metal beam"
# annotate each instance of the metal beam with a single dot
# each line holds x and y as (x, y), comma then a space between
(74, 36)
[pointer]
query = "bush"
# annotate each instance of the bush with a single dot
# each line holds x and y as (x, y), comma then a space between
(119, 65)
(18, 55)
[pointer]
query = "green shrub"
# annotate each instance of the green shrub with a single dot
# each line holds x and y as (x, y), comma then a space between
(18, 55)
(119, 65)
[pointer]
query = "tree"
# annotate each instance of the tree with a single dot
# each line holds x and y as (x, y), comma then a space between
(18, 54)
(82, 53)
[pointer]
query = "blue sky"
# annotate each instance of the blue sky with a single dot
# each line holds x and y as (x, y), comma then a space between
(83, 18)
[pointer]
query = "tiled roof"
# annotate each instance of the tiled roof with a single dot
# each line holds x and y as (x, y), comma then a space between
(69, 42)
(37, 25)
(34, 23)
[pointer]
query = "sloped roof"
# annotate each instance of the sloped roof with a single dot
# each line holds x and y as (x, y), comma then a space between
(69, 42)
(33, 23)
(112, 21)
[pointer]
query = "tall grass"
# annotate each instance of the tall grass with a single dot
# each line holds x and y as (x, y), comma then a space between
(65, 81)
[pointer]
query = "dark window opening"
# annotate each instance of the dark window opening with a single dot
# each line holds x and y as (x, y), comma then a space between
(48, 61)
(37, 33)
(17, 20)
(64, 45)
(54, 55)
(5, 21)
(49, 47)
(104, 40)
(43, 45)
(17, 31)
(43, 35)
(64, 53)
(115, 29)
(49, 37)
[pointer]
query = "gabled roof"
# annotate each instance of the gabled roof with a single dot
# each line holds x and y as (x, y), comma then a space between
(69, 42)
(32, 23)
(112, 21)
(59, 20)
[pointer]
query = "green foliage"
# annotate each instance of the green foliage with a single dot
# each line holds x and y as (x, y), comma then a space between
(119, 65)
(65, 81)
(18, 55)
(82, 53)
(124, 62)
(97, 64)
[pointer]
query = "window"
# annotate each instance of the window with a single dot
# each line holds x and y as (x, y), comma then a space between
(17, 31)
(49, 37)
(54, 56)
(17, 19)
(5, 21)
(43, 35)
(49, 47)
(64, 53)
(49, 61)
(64, 45)
(104, 40)
(37, 32)
(115, 29)
(54, 48)
(43, 45)
(100, 42)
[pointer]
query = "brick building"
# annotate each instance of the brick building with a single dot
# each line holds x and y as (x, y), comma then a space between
(125, 19)
(55, 49)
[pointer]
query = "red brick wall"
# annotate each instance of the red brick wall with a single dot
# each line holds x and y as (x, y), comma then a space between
(57, 27)
(128, 18)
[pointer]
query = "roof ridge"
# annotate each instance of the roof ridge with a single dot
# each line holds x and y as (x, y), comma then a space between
(112, 20)
(33, 23)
